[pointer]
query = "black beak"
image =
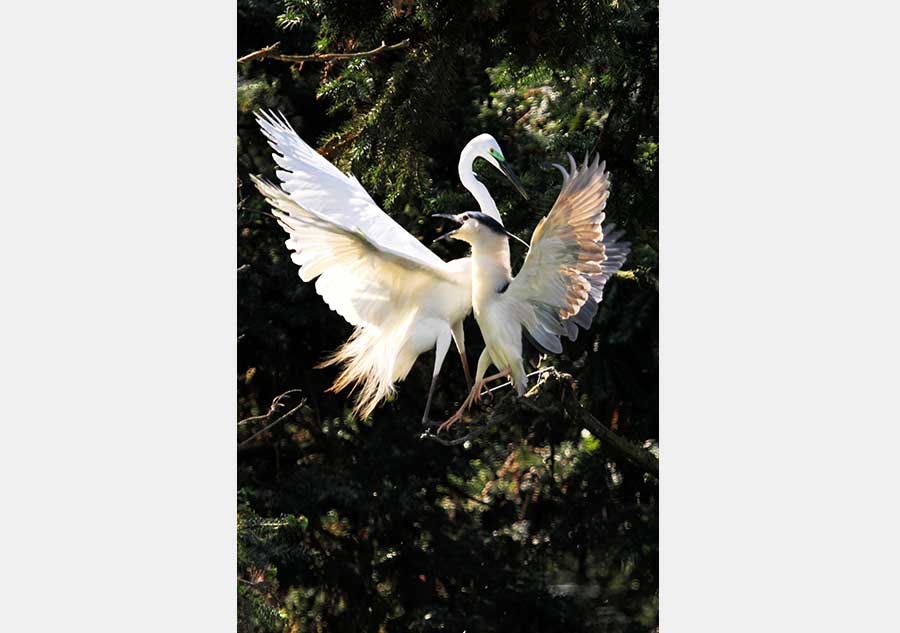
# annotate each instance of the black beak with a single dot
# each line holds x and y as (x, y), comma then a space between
(509, 173)
(448, 217)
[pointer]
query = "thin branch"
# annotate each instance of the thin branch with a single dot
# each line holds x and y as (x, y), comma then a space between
(273, 408)
(269, 426)
(269, 52)
(543, 370)
(259, 54)
(275, 404)
(617, 444)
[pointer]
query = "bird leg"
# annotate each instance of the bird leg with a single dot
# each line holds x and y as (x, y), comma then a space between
(473, 397)
(466, 372)
(440, 351)
(425, 420)
(459, 337)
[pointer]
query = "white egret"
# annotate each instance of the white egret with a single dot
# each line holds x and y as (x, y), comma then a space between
(401, 298)
(560, 283)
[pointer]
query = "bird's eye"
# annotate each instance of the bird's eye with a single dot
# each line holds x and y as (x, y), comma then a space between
(496, 154)
(465, 217)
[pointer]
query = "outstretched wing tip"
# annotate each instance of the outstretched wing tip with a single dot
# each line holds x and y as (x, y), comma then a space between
(562, 170)
(563, 285)
(588, 166)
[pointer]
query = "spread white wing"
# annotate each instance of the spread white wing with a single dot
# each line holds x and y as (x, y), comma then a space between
(317, 185)
(570, 260)
(367, 265)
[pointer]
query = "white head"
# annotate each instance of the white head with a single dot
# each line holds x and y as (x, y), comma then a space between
(485, 146)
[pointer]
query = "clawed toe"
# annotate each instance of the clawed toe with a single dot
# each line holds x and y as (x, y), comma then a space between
(473, 398)
(453, 419)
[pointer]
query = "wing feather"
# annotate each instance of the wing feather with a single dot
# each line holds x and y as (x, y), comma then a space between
(318, 186)
(358, 278)
(570, 259)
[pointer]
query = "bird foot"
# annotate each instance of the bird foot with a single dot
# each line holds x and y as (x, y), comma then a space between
(487, 395)
(476, 394)
(473, 397)
(453, 419)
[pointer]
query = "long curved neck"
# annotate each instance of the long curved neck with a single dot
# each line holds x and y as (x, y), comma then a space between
(486, 203)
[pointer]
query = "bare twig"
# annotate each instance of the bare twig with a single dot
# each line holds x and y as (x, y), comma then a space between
(276, 403)
(269, 52)
(273, 408)
(543, 370)
(269, 426)
(259, 54)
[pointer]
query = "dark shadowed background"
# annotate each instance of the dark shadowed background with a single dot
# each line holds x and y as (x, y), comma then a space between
(536, 524)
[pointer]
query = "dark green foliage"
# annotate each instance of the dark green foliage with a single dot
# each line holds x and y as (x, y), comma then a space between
(353, 526)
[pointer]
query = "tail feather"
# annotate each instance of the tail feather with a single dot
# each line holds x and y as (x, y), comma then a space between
(371, 360)
(365, 369)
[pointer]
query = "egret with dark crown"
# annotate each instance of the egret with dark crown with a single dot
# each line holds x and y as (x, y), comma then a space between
(401, 298)
(559, 286)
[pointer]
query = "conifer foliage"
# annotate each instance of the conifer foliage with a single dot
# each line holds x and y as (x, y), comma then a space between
(535, 524)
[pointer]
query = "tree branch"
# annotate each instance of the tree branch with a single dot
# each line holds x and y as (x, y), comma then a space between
(617, 444)
(263, 52)
(543, 400)
(269, 52)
